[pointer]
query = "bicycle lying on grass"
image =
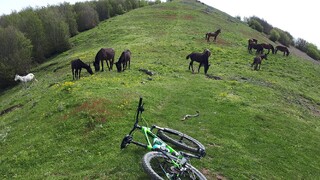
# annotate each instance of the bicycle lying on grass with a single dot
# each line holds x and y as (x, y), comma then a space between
(163, 161)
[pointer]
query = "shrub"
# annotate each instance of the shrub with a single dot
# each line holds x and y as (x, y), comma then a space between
(15, 55)
(274, 35)
(254, 24)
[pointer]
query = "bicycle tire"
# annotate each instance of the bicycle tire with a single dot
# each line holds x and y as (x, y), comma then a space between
(156, 172)
(181, 140)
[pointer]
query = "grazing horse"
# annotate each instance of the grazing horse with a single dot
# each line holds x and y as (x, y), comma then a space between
(283, 49)
(124, 59)
(268, 46)
(257, 61)
(214, 34)
(76, 66)
(25, 79)
(202, 58)
(257, 47)
(104, 54)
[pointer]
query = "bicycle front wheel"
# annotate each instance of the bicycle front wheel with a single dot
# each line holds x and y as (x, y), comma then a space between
(159, 167)
(182, 140)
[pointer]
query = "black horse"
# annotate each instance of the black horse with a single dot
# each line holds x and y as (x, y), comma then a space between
(202, 58)
(213, 34)
(257, 47)
(124, 59)
(283, 49)
(104, 54)
(250, 42)
(257, 61)
(268, 46)
(76, 66)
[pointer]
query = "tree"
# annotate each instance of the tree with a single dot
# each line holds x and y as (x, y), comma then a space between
(70, 17)
(87, 17)
(274, 35)
(56, 31)
(301, 44)
(103, 9)
(313, 51)
(15, 55)
(254, 24)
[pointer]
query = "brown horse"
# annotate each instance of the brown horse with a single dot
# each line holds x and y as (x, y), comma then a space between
(213, 34)
(283, 49)
(202, 58)
(124, 59)
(257, 61)
(104, 54)
(268, 46)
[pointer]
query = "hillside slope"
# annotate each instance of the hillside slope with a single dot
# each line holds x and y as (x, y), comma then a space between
(255, 124)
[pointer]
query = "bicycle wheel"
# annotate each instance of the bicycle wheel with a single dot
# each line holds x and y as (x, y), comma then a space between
(159, 167)
(182, 140)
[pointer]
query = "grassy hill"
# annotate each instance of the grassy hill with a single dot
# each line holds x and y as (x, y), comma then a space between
(255, 124)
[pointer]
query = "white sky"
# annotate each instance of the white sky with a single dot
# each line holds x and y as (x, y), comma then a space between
(299, 18)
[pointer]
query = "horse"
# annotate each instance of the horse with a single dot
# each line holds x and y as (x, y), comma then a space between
(104, 54)
(257, 47)
(124, 59)
(268, 46)
(76, 66)
(251, 41)
(214, 34)
(25, 79)
(202, 58)
(283, 49)
(257, 61)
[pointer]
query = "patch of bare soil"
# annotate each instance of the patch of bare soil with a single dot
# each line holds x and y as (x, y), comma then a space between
(12, 108)
(302, 55)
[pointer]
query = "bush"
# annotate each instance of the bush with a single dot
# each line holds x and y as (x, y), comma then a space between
(313, 51)
(254, 24)
(15, 55)
(274, 35)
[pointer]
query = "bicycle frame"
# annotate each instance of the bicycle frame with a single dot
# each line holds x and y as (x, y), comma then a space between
(153, 142)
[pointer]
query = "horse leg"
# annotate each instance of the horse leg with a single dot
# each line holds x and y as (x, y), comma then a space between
(72, 74)
(191, 65)
(102, 65)
(108, 64)
(199, 67)
(79, 73)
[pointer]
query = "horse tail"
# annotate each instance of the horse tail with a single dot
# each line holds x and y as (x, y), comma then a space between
(206, 36)
(188, 56)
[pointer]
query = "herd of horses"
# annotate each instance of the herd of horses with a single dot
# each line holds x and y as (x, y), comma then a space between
(253, 44)
(108, 55)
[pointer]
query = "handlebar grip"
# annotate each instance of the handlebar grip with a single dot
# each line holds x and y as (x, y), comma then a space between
(140, 102)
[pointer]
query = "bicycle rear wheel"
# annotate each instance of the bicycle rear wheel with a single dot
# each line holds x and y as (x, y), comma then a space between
(182, 140)
(159, 167)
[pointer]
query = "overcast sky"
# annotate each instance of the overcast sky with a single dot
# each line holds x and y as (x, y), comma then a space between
(299, 18)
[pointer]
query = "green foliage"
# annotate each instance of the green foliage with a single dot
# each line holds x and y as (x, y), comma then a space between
(274, 35)
(56, 31)
(313, 51)
(254, 24)
(103, 9)
(301, 44)
(15, 54)
(266, 26)
(70, 17)
(87, 17)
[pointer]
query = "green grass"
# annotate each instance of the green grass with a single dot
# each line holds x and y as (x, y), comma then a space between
(255, 125)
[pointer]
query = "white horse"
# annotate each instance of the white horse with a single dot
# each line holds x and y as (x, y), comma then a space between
(26, 78)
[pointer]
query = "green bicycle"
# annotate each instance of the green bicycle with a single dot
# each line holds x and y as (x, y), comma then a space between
(164, 162)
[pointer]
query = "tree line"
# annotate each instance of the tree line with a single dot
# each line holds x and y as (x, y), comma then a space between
(283, 37)
(31, 36)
